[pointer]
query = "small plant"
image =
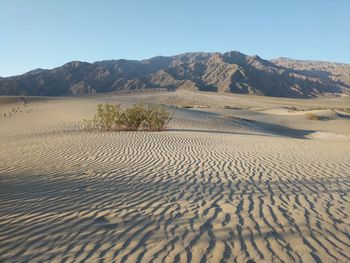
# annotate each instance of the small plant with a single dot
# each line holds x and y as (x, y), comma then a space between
(292, 108)
(228, 107)
(312, 116)
(186, 106)
(112, 118)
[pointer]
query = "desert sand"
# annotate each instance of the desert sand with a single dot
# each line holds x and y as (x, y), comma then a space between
(235, 178)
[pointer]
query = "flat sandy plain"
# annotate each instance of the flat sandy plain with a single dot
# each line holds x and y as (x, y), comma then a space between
(255, 181)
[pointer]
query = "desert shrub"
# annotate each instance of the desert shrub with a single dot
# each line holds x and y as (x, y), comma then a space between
(292, 108)
(134, 117)
(186, 106)
(155, 118)
(107, 117)
(312, 116)
(228, 107)
(112, 118)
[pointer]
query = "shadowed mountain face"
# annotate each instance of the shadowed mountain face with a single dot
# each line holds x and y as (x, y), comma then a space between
(231, 72)
(327, 71)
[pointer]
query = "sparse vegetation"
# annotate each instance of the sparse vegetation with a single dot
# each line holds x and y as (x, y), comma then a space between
(137, 118)
(228, 107)
(191, 106)
(292, 108)
(186, 107)
(312, 116)
(322, 117)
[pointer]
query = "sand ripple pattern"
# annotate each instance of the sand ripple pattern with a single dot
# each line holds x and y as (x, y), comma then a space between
(173, 197)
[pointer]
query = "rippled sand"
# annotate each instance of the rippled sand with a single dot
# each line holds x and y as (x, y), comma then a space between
(213, 188)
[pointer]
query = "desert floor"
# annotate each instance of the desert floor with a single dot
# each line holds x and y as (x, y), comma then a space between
(234, 179)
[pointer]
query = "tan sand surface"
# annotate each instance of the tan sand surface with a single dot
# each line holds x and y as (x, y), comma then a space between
(256, 181)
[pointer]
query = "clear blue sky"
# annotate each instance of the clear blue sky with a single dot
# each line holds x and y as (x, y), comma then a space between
(48, 33)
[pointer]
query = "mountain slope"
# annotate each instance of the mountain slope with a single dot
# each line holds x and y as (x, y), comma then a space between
(327, 71)
(231, 72)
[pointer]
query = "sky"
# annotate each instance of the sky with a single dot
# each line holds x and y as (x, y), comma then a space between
(47, 34)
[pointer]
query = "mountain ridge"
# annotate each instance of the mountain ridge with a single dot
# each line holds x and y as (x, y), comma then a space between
(232, 72)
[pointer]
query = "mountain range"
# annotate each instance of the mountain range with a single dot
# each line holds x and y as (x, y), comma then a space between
(231, 72)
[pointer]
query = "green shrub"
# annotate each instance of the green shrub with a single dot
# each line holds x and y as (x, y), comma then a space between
(113, 118)
(155, 118)
(108, 117)
(134, 117)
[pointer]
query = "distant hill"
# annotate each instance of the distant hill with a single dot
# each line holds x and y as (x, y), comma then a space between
(231, 72)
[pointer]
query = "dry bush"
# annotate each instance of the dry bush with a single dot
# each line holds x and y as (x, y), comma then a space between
(292, 108)
(228, 107)
(186, 106)
(312, 116)
(113, 118)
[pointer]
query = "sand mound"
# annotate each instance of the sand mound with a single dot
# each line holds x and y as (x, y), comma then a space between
(328, 136)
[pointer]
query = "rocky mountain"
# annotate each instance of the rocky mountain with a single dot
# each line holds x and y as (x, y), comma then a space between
(327, 71)
(231, 72)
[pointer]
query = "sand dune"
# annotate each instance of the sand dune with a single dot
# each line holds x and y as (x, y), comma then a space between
(221, 185)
